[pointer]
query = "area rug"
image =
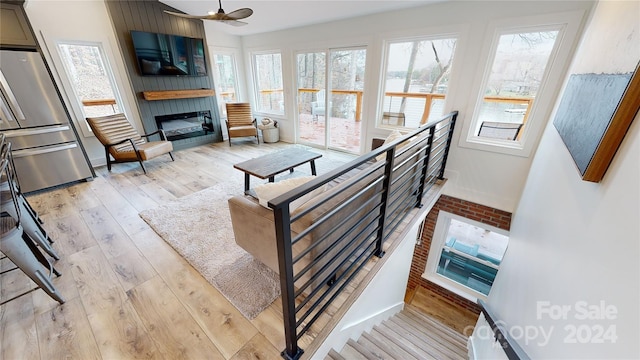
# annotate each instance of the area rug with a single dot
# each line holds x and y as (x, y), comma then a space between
(198, 227)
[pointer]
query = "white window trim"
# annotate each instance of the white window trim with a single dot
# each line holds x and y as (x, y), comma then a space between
(75, 106)
(437, 242)
(254, 93)
(568, 24)
(236, 55)
(386, 43)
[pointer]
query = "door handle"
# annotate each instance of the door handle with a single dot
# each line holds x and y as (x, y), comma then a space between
(11, 97)
(36, 131)
(43, 150)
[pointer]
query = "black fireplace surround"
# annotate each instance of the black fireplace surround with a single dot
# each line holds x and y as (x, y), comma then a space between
(185, 125)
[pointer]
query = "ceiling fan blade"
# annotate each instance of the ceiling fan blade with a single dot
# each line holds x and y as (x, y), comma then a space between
(234, 22)
(187, 15)
(240, 13)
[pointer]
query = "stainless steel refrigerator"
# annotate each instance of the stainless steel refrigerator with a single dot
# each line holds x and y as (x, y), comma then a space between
(46, 150)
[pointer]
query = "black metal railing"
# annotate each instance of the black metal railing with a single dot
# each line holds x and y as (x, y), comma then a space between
(507, 343)
(325, 243)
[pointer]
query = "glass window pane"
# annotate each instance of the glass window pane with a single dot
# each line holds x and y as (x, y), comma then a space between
(416, 81)
(471, 255)
(268, 70)
(90, 78)
(516, 75)
(226, 81)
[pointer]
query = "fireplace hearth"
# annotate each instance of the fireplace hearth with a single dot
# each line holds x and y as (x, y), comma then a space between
(185, 125)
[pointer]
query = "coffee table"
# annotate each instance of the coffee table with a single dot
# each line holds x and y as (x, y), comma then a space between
(268, 166)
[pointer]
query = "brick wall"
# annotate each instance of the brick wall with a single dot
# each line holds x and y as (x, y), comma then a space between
(486, 215)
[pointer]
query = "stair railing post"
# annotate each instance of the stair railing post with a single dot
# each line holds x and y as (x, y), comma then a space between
(282, 219)
(452, 125)
(386, 183)
(425, 166)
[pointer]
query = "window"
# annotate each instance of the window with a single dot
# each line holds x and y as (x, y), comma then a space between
(268, 76)
(91, 79)
(515, 78)
(465, 255)
(416, 81)
(226, 81)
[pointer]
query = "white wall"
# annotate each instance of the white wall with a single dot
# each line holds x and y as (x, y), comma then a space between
(574, 244)
(488, 178)
(54, 21)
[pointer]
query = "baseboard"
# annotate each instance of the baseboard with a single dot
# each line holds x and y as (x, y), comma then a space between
(367, 323)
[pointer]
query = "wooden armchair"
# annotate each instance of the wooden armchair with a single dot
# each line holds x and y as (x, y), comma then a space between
(240, 121)
(124, 144)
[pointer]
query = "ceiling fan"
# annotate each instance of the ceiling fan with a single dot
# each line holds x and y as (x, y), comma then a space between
(230, 18)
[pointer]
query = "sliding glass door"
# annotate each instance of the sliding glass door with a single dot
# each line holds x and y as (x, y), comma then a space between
(330, 89)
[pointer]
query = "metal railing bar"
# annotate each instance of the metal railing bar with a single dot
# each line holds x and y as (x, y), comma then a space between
(420, 155)
(433, 154)
(507, 343)
(409, 158)
(329, 289)
(351, 181)
(338, 290)
(445, 133)
(399, 200)
(396, 220)
(335, 210)
(426, 158)
(327, 278)
(337, 241)
(437, 145)
(410, 179)
(334, 229)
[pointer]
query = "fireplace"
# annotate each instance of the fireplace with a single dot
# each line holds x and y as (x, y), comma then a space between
(185, 125)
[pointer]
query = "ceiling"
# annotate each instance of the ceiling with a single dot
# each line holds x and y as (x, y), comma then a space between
(278, 15)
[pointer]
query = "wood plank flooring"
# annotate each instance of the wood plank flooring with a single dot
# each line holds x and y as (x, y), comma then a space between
(128, 294)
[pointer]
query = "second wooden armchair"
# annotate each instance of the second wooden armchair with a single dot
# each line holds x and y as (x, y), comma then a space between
(240, 121)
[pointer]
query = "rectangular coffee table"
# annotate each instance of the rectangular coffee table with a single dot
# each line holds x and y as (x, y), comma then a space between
(268, 166)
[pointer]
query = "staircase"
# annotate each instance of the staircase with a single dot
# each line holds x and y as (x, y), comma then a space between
(407, 335)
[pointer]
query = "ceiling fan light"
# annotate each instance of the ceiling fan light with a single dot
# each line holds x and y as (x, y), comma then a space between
(211, 12)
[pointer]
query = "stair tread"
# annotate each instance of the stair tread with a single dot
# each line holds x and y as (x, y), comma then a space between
(436, 333)
(363, 350)
(415, 343)
(407, 345)
(439, 345)
(417, 313)
(380, 350)
(349, 352)
(397, 350)
(334, 355)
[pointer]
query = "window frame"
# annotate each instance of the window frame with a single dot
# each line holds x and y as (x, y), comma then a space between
(567, 24)
(386, 44)
(235, 56)
(256, 88)
(438, 241)
(76, 104)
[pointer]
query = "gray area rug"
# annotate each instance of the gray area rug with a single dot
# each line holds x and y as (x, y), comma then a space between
(198, 227)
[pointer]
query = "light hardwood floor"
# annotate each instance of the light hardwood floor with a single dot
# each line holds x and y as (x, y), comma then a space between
(128, 293)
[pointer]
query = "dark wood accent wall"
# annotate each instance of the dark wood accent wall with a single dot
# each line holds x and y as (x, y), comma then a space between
(148, 15)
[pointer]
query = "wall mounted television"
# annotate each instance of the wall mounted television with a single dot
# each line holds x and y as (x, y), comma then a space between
(169, 55)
